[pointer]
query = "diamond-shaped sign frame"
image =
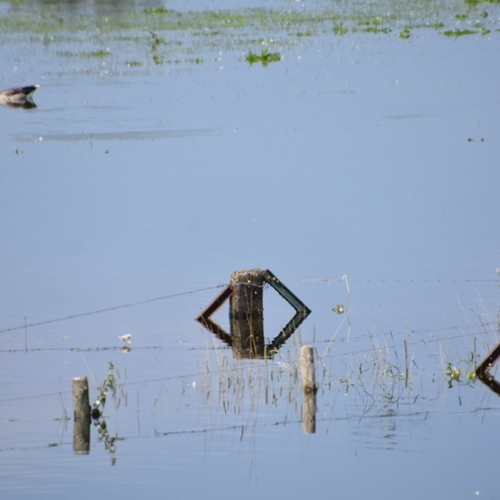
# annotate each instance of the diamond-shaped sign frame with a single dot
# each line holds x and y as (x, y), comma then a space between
(301, 313)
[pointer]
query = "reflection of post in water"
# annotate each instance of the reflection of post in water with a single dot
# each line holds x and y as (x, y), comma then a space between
(84, 414)
(309, 389)
(246, 314)
(81, 431)
(108, 385)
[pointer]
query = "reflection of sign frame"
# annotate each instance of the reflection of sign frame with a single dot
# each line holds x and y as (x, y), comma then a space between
(246, 314)
(483, 370)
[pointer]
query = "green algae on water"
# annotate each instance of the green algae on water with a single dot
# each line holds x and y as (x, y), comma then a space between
(265, 57)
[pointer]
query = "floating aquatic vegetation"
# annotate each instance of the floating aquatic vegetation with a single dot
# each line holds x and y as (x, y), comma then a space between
(134, 64)
(477, 2)
(373, 26)
(265, 57)
(457, 33)
(339, 309)
(109, 384)
(159, 10)
(99, 53)
(340, 29)
(404, 34)
(175, 36)
(459, 375)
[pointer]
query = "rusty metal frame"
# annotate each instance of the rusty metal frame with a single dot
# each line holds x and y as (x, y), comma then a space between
(212, 326)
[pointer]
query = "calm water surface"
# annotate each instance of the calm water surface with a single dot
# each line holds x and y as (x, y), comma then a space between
(362, 156)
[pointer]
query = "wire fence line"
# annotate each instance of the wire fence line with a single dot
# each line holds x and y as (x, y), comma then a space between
(465, 331)
(324, 417)
(109, 309)
(392, 280)
(414, 339)
(198, 290)
(394, 346)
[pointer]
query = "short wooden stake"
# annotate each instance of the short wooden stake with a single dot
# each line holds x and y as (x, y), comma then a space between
(307, 369)
(81, 406)
(309, 387)
(246, 314)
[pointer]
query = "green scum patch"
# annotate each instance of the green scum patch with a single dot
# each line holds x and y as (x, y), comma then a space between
(265, 57)
(189, 34)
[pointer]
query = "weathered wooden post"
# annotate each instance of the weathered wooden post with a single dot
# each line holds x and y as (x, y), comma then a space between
(246, 314)
(309, 389)
(81, 406)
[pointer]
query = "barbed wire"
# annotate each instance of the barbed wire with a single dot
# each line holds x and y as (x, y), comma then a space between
(392, 280)
(108, 309)
(189, 292)
(409, 342)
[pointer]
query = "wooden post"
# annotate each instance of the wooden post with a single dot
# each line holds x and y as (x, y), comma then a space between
(309, 388)
(307, 369)
(246, 314)
(81, 406)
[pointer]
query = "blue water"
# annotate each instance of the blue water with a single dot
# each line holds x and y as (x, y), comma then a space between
(364, 156)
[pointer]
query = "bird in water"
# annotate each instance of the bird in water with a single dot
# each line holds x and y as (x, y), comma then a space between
(19, 97)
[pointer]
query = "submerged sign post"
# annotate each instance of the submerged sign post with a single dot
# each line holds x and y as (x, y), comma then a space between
(246, 314)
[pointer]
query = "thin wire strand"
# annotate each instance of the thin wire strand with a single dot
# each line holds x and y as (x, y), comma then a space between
(299, 280)
(362, 351)
(394, 280)
(108, 309)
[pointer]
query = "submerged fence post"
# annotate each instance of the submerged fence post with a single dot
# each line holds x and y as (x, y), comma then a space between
(246, 313)
(81, 406)
(309, 388)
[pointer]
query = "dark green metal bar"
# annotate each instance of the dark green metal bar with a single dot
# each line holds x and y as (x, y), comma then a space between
(292, 299)
(288, 331)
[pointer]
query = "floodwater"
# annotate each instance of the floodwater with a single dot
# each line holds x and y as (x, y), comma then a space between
(361, 169)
